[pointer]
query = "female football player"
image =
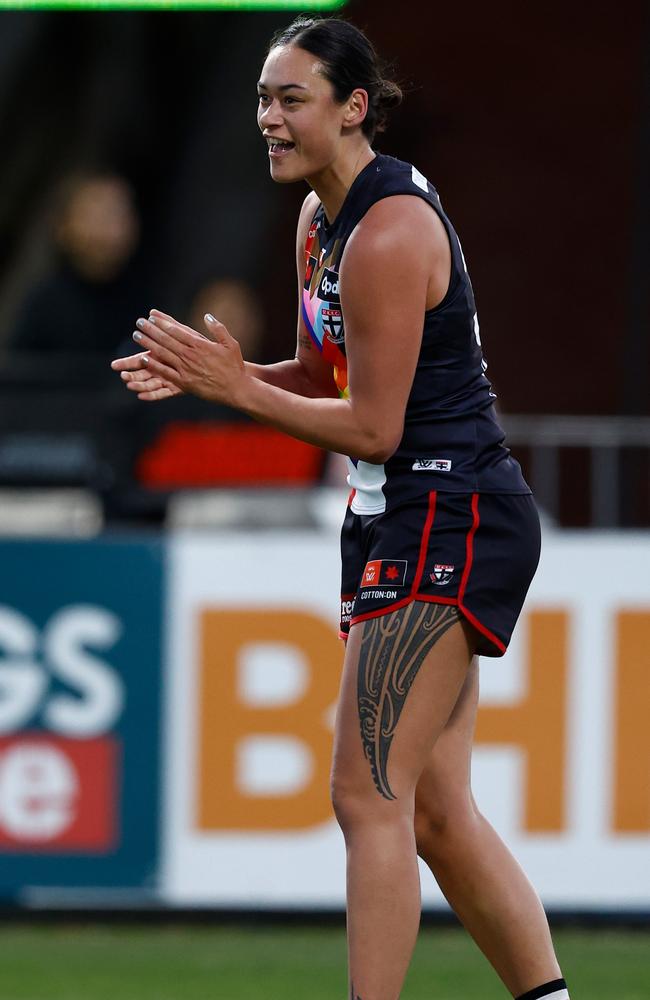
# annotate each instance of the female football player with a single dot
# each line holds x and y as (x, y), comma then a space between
(441, 536)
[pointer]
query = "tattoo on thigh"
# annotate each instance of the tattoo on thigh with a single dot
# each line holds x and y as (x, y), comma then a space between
(393, 648)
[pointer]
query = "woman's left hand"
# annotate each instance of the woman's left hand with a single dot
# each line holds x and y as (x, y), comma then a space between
(209, 366)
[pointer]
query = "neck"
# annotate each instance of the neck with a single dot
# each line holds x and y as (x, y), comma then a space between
(333, 183)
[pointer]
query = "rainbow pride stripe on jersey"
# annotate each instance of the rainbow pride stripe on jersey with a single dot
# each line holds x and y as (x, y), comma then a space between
(321, 301)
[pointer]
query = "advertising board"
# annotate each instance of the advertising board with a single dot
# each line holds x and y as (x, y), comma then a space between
(80, 688)
(562, 759)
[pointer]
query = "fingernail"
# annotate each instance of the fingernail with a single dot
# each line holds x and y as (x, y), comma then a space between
(137, 336)
(145, 360)
(125, 376)
(140, 323)
(210, 318)
(152, 319)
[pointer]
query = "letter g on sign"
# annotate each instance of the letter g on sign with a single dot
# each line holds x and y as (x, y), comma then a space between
(22, 680)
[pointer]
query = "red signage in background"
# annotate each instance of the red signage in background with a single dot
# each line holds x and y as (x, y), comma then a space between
(57, 795)
(239, 454)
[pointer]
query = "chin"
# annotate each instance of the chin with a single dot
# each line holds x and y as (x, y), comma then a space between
(286, 180)
(286, 176)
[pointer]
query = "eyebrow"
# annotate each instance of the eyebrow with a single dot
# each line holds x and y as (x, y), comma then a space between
(285, 86)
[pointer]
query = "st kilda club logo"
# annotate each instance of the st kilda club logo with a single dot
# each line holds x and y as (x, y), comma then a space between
(442, 574)
(333, 325)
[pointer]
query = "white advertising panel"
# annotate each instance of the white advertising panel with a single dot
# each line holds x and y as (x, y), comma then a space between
(562, 758)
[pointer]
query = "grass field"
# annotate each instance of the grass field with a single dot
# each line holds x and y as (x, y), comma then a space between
(280, 963)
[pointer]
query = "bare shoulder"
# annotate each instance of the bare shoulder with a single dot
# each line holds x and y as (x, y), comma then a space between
(311, 203)
(400, 243)
(389, 226)
(309, 206)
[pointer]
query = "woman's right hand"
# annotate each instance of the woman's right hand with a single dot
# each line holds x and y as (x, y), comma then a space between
(137, 378)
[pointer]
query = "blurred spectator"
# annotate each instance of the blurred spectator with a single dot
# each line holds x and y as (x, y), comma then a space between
(236, 305)
(191, 443)
(91, 298)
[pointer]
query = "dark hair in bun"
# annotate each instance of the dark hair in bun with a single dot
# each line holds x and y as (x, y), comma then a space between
(349, 62)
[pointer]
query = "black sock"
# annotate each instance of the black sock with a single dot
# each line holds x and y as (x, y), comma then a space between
(555, 990)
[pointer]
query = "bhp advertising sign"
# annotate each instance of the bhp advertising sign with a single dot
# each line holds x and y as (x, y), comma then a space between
(79, 708)
(562, 760)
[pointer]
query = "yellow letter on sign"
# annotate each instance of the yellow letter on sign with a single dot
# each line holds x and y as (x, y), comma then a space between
(537, 724)
(227, 720)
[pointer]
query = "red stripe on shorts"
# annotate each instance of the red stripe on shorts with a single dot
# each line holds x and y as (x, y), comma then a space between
(424, 543)
(463, 583)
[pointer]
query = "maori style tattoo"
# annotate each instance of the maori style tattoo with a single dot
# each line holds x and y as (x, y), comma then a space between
(393, 648)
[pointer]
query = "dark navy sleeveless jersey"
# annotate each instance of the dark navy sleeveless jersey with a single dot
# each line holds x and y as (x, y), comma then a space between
(452, 440)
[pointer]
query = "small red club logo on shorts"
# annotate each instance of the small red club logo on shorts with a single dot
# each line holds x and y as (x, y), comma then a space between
(441, 574)
(385, 572)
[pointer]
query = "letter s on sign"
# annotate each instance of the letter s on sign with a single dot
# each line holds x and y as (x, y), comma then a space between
(67, 634)
(22, 680)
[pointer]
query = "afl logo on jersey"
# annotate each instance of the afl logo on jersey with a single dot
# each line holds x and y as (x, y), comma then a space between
(432, 465)
(328, 289)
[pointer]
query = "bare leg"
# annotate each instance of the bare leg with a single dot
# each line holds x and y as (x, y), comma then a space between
(475, 870)
(402, 677)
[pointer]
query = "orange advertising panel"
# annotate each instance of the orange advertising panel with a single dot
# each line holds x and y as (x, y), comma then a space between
(227, 719)
(631, 813)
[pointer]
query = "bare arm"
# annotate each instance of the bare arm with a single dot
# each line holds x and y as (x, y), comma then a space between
(385, 281)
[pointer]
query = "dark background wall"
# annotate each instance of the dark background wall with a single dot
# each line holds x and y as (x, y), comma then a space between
(530, 120)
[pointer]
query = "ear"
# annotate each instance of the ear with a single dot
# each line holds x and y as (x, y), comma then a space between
(356, 108)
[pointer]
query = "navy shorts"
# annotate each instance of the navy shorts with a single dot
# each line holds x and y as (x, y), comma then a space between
(477, 551)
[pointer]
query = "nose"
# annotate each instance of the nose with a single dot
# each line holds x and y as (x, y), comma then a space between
(270, 115)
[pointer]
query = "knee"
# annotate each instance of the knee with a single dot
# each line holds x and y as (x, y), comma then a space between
(347, 809)
(357, 803)
(442, 821)
(348, 802)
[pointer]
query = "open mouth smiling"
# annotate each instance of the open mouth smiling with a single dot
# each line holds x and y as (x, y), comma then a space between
(279, 147)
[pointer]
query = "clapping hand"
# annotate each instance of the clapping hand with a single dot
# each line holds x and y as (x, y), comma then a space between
(177, 359)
